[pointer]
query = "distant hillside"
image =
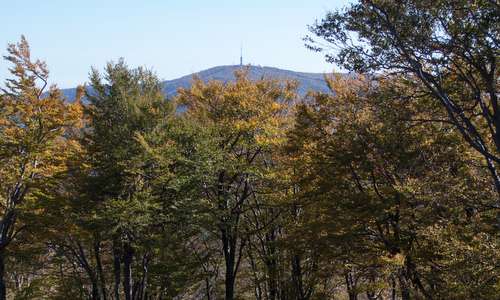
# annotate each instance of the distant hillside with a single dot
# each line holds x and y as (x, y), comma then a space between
(307, 81)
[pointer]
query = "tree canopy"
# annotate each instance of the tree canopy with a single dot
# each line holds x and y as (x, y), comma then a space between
(384, 187)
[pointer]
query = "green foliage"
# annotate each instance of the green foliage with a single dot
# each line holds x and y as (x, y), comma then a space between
(376, 188)
(448, 50)
(384, 188)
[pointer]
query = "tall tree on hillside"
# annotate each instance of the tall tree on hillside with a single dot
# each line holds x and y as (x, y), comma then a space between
(383, 198)
(450, 47)
(244, 122)
(34, 144)
(128, 103)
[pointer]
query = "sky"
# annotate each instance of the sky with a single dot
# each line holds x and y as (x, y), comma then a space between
(174, 38)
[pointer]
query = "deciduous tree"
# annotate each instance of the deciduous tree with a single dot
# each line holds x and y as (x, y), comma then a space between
(35, 123)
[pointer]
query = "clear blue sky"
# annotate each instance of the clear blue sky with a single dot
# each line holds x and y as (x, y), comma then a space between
(174, 38)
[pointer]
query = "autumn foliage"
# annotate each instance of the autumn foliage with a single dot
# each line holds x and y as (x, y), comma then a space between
(385, 187)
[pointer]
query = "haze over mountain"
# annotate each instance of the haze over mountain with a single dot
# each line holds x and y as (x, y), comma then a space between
(307, 81)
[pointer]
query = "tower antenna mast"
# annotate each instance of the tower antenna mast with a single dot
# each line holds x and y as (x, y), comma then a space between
(241, 55)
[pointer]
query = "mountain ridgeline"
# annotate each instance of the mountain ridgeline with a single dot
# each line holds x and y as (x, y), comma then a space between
(307, 81)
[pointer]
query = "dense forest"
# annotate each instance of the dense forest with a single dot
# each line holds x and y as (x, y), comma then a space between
(385, 187)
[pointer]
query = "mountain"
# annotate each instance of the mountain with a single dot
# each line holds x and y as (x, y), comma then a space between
(307, 81)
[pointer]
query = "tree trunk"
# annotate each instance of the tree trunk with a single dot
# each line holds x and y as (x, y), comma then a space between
(255, 271)
(127, 271)
(3, 289)
(95, 290)
(297, 278)
(229, 284)
(6, 228)
(142, 291)
(116, 269)
(80, 255)
(229, 257)
(351, 286)
(405, 289)
(272, 264)
(207, 287)
(393, 288)
(100, 273)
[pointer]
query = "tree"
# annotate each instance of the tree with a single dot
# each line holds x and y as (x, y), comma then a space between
(34, 140)
(449, 47)
(129, 104)
(383, 198)
(244, 123)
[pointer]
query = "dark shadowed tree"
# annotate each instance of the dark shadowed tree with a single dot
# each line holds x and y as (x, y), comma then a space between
(450, 48)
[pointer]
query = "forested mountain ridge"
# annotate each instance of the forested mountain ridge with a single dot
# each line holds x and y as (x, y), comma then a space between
(307, 81)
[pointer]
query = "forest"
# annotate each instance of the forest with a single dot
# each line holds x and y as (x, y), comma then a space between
(385, 187)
